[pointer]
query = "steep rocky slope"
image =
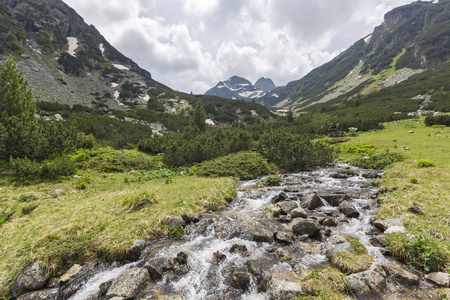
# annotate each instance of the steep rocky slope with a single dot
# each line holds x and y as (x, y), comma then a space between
(413, 38)
(67, 61)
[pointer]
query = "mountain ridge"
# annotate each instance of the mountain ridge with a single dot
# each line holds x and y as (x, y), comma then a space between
(240, 88)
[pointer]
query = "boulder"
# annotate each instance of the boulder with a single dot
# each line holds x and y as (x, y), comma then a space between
(378, 241)
(383, 225)
(218, 257)
(311, 202)
(283, 254)
(330, 221)
(174, 222)
(370, 281)
(285, 285)
(280, 197)
(49, 294)
(284, 218)
(241, 280)
(371, 175)
(33, 277)
(287, 206)
(276, 211)
(258, 234)
(336, 199)
(74, 270)
(129, 284)
(186, 218)
(401, 275)
(242, 249)
(283, 237)
(395, 229)
(348, 210)
(415, 209)
(306, 226)
(336, 244)
(299, 213)
(153, 270)
(135, 251)
(439, 278)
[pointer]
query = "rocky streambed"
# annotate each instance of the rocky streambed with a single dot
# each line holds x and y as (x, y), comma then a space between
(261, 246)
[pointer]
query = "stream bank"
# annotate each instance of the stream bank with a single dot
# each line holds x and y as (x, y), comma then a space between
(263, 245)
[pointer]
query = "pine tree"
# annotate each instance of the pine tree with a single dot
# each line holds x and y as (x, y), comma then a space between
(198, 117)
(16, 99)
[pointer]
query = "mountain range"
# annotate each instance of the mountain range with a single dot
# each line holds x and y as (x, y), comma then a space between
(240, 88)
(69, 62)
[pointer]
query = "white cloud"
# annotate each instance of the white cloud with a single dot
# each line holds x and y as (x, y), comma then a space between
(190, 45)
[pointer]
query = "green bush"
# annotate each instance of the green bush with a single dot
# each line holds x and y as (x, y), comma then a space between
(272, 180)
(52, 168)
(413, 180)
(245, 165)
(82, 183)
(425, 164)
(419, 252)
(193, 146)
(377, 162)
(294, 152)
(438, 120)
(28, 198)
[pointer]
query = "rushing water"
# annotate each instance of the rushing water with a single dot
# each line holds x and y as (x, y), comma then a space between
(224, 230)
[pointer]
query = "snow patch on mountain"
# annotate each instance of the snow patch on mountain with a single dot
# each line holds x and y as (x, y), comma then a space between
(73, 45)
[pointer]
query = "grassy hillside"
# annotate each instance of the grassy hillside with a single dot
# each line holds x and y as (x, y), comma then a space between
(422, 178)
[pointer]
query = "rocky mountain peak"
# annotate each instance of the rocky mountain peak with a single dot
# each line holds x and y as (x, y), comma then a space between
(265, 84)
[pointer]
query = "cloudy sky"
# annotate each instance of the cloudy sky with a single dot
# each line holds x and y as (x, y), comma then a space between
(191, 45)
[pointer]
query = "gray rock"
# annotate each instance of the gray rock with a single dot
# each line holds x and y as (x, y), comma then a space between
(371, 175)
(218, 257)
(280, 197)
(74, 270)
(258, 234)
(242, 249)
(306, 226)
(439, 278)
(383, 225)
(276, 211)
(186, 218)
(336, 244)
(336, 199)
(49, 294)
(285, 285)
(311, 202)
(348, 210)
(283, 237)
(284, 218)
(33, 277)
(153, 270)
(174, 222)
(287, 206)
(135, 251)
(395, 229)
(378, 241)
(129, 284)
(401, 275)
(415, 209)
(370, 281)
(241, 280)
(330, 222)
(299, 213)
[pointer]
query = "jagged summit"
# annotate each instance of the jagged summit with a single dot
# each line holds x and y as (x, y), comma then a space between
(265, 84)
(240, 88)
